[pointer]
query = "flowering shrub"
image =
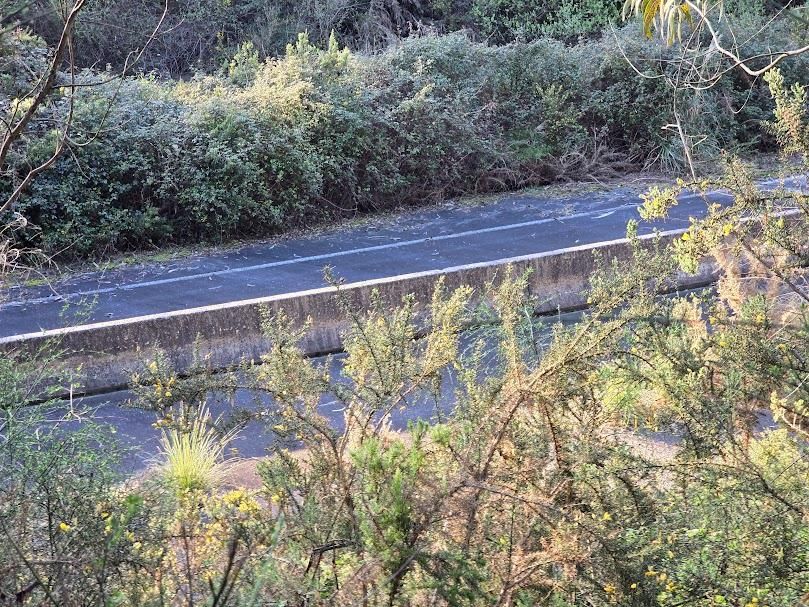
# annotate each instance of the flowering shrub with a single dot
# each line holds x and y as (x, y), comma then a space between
(654, 453)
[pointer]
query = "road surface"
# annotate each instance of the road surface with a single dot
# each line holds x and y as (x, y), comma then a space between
(428, 240)
(136, 434)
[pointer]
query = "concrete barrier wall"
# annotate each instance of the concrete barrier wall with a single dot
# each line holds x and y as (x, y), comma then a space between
(107, 353)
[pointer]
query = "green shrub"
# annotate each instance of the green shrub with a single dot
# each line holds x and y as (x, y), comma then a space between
(22, 56)
(502, 21)
(244, 66)
(320, 133)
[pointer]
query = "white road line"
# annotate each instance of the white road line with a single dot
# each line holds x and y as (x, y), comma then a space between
(290, 296)
(322, 257)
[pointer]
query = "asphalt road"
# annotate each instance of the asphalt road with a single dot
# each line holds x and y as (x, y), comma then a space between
(429, 240)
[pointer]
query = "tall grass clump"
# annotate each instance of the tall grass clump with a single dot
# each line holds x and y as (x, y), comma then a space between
(193, 456)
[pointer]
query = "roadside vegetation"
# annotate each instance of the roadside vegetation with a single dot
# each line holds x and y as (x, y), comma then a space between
(655, 453)
(321, 131)
(203, 35)
(652, 454)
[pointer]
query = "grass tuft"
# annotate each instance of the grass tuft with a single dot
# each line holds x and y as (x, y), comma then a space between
(193, 457)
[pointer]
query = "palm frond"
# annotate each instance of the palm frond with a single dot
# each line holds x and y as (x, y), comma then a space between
(665, 16)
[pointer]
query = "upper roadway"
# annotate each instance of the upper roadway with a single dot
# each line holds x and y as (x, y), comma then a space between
(434, 239)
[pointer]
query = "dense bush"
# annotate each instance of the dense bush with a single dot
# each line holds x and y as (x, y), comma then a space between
(320, 133)
(503, 21)
(204, 34)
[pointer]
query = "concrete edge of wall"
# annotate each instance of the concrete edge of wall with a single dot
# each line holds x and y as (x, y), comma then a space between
(104, 355)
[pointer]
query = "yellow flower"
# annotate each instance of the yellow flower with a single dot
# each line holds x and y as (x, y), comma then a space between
(686, 236)
(727, 229)
(670, 586)
(64, 527)
(606, 517)
(633, 585)
(233, 498)
(609, 589)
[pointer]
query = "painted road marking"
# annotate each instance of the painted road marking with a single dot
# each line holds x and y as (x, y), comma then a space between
(310, 258)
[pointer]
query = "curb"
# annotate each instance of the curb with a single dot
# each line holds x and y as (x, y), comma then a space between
(107, 353)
